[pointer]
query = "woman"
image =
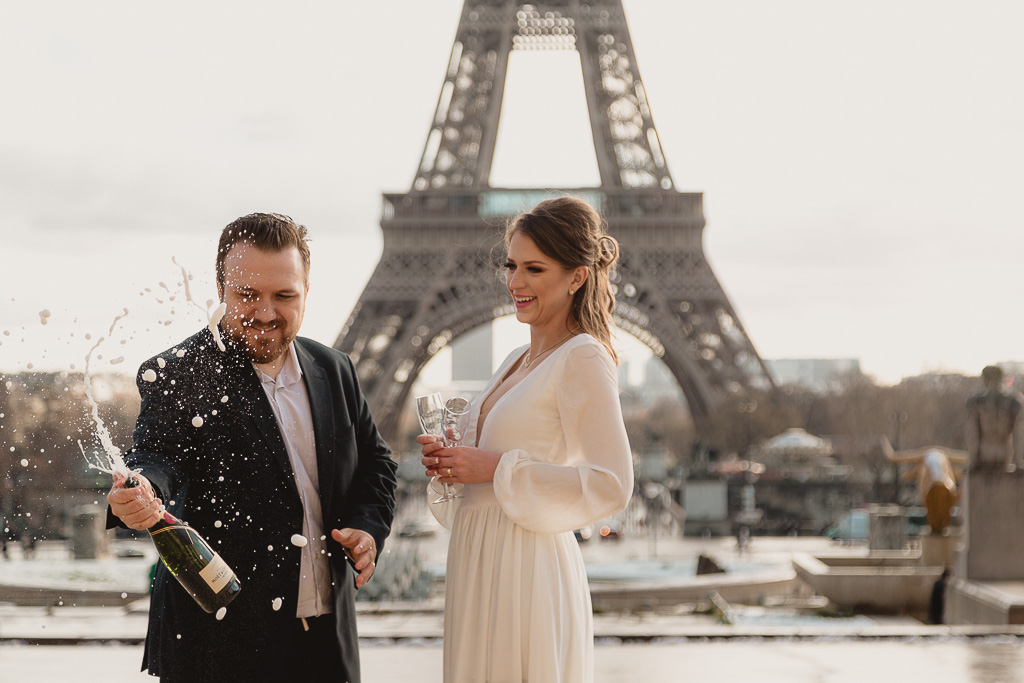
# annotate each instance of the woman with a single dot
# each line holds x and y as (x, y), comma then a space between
(546, 453)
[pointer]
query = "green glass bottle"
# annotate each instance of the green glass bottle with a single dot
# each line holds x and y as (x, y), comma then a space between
(200, 570)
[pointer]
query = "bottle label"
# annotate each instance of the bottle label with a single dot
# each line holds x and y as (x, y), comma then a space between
(217, 574)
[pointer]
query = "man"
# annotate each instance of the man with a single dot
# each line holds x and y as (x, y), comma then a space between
(267, 448)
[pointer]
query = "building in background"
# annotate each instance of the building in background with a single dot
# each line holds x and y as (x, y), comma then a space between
(473, 357)
(659, 384)
(817, 374)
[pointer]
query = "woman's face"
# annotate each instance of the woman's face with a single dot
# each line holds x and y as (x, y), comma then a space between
(539, 285)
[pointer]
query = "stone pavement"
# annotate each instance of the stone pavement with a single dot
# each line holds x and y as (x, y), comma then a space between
(402, 642)
(402, 624)
(995, 660)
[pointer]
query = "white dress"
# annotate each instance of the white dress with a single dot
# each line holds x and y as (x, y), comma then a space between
(517, 602)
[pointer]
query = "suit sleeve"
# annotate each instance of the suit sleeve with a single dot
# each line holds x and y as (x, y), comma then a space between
(161, 437)
(372, 492)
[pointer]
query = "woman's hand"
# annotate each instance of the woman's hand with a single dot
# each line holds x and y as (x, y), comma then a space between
(458, 465)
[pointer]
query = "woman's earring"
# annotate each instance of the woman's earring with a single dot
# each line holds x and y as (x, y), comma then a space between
(571, 292)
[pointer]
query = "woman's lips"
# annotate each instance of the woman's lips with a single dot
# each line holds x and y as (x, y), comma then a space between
(522, 302)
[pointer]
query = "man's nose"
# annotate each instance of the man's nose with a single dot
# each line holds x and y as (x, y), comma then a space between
(265, 311)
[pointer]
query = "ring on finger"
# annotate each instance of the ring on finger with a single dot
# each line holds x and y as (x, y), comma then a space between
(449, 471)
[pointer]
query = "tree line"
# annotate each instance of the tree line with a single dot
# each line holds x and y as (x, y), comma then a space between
(45, 416)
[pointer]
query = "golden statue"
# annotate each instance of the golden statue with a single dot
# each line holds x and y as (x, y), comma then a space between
(933, 469)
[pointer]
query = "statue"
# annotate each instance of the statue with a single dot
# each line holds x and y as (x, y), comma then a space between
(991, 421)
(936, 480)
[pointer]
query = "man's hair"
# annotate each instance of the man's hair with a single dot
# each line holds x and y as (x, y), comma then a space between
(992, 373)
(267, 231)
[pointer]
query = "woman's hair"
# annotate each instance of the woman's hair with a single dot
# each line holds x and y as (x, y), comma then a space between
(569, 231)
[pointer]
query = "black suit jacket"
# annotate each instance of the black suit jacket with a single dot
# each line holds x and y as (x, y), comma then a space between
(231, 480)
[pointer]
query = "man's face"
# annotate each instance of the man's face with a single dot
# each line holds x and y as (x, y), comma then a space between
(265, 293)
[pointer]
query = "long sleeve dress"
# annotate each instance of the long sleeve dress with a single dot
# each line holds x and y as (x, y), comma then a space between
(517, 602)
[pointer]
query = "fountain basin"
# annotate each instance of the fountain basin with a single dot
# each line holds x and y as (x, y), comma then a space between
(881, 582)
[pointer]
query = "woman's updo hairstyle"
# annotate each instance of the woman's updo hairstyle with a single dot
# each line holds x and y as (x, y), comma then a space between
(572, 233)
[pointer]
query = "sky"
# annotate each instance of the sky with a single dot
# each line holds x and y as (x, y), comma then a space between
(860, 162)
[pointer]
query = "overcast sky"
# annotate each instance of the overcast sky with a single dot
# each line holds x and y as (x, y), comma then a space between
(861, 163)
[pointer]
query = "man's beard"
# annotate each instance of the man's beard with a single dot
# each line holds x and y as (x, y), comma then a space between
(253, 344)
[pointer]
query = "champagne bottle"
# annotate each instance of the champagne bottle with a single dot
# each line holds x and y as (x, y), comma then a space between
(200, 570)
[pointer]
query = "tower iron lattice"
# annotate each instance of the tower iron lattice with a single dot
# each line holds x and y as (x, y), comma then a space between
(437, 276)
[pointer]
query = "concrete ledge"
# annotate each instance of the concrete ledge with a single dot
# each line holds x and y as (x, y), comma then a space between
(888, 583)
(33, 596)
(985, 602)
(67, 626)
(618, 596)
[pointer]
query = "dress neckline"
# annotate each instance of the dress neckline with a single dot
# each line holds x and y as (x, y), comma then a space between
(512, 368)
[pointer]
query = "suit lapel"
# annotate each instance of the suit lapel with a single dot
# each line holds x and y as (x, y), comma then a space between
(257, 411)
(321, 405)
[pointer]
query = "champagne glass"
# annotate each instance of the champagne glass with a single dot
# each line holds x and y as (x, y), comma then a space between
(430, 411)
(455, 421)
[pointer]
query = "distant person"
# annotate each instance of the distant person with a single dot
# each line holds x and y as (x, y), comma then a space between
(547, 453)
(256, 446)
(742, 538)
(992, 416)
(937, 602)
(28, 544)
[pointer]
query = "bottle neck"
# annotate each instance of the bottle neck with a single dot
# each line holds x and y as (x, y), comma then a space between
(165, 521)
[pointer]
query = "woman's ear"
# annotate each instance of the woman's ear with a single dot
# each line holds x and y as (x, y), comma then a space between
(579, 276)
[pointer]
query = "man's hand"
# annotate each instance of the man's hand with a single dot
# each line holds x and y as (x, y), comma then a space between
(137, 507)
(360, 548)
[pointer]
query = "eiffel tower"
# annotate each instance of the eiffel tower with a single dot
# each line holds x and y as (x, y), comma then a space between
(437, 276)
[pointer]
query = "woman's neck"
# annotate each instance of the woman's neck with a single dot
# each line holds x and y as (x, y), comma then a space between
(544, 342)
(541, 338)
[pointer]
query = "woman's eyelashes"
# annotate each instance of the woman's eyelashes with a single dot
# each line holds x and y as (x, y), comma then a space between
(529, 269)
